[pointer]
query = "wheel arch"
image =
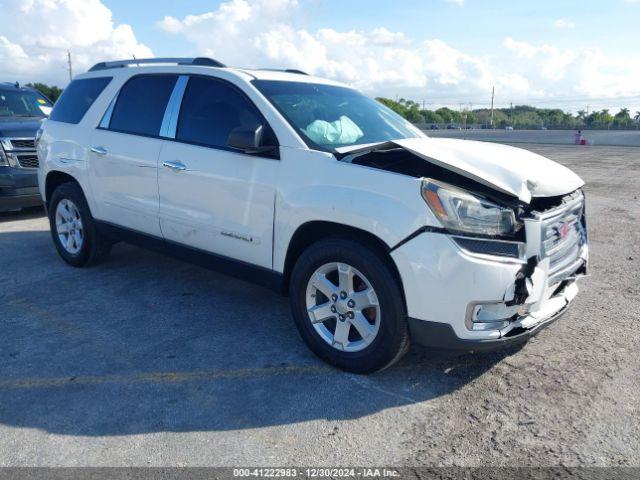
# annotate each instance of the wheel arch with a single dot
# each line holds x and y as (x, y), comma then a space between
(314, 231)
(54, 179)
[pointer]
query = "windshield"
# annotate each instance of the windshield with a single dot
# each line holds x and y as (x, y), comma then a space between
(23, 103)
(328, 117)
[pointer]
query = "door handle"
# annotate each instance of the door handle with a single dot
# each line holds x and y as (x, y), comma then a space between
(99, 150)
(175, 165)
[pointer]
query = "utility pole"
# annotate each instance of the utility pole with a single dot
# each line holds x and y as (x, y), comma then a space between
(493, 92)
(511, 114)
(69, 67)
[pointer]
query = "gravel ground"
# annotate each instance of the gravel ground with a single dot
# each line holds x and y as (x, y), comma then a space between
(148, 361)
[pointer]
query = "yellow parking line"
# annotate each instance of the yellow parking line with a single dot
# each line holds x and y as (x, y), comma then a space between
(161, 377)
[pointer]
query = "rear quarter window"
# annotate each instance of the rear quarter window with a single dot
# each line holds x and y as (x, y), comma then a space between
(141, 104)
(77, 98)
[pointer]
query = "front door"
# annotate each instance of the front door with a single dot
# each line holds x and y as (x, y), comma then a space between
(213, 197)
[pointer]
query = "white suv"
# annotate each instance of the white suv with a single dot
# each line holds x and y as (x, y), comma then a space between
(379, 234)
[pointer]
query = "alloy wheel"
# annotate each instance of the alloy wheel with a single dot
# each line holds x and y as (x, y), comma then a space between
(69, 226)
(343, 307)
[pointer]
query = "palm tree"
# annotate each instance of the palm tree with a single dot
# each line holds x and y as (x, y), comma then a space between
(622, 118)
(606, 118)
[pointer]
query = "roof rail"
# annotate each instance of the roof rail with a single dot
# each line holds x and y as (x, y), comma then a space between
(287, 70)
(295, 70)
(203, 61)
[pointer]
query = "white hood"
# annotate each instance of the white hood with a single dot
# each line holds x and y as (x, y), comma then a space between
(515, 171)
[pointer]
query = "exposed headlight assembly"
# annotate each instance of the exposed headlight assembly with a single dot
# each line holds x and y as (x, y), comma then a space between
(461, 211)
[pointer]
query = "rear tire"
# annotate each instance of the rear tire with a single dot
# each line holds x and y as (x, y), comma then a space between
(355, 339)
(73, 229)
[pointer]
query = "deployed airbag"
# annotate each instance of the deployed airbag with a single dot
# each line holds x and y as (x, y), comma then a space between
(340, 132)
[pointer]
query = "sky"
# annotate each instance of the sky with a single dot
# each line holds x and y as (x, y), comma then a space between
(567, 54)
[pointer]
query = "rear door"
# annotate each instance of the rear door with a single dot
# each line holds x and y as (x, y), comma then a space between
(125, 150)
(213, 197)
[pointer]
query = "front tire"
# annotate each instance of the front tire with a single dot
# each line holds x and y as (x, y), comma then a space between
(73, 229)
(348, 306)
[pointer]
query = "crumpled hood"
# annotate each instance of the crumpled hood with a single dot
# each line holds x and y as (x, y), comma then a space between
(19, 127)
(512, 170)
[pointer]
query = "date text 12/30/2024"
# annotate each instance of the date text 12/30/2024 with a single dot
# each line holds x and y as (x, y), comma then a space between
(316, 472)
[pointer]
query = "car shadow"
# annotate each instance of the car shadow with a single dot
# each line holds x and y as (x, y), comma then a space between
(24, 214)
(144, 344)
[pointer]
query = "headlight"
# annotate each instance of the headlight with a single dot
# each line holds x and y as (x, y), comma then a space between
(3, 158)
(461, 211)
(38, 136)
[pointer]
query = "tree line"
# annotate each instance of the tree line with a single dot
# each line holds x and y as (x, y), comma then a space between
(520, 116)
(51, 92)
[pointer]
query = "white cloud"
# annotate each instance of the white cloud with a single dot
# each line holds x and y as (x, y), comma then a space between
(520, 49)
(37, 33)
(564, 24)
(268, 33)
(263, 34)
(578, 73)
(457, 2)
(548, 62)
(383, 62)
(512, 82)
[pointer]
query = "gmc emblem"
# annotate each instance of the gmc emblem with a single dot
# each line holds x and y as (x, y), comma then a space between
(563, 230)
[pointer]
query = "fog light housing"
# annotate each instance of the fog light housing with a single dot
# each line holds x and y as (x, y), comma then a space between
(493, 315)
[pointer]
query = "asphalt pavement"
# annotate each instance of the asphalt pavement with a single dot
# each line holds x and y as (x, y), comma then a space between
(148, 361)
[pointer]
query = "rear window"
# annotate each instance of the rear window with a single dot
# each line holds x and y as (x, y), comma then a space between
(77, 98)
(141, 104)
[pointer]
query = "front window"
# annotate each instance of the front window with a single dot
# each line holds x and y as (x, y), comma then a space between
(328, 117)
(23, 103)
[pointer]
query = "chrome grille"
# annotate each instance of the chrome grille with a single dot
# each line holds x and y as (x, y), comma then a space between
(21, 152)
(25, 143)
(563, 235)
(27, 160)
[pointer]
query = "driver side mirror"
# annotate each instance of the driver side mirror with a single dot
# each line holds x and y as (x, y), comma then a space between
(250, 140)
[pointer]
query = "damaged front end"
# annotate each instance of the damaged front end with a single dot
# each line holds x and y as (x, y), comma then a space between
(557, 254)
(514, 283)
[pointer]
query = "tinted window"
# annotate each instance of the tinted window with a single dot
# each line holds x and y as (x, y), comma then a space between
(210, 110)
(77, 98)
(141, 104)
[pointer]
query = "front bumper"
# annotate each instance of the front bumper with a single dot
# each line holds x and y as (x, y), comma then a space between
(18, 188)
(444, 285)
(442, 335)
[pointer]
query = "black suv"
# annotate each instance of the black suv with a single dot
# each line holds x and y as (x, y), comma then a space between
(21, 112)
